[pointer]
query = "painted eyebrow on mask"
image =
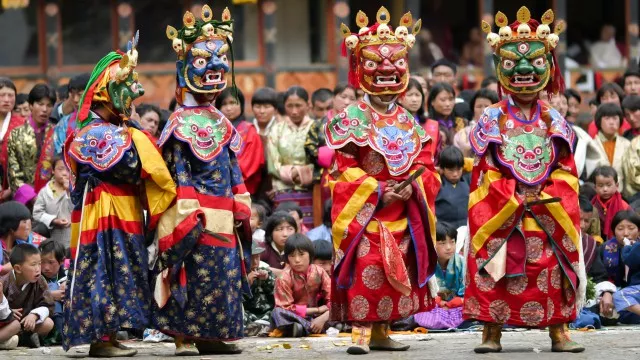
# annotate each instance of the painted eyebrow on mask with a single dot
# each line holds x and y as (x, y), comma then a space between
(400, 54)
(509, 54)
(370, 55)
(536, 53)
(200, 52)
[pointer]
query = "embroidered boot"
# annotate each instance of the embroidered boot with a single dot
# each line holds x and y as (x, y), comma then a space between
(380, 339)
(360, 339)
(107, 349)
(491, 335)
(560, 340)
(185, 348)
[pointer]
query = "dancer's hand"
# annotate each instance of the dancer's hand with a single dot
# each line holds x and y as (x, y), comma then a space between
(405, 193)
(389, 197)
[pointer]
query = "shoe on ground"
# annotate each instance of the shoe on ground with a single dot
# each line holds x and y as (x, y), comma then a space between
(387, 344)
(187, 349)
(297, 330)
(107, 350)
(10, 344)
(358, 349)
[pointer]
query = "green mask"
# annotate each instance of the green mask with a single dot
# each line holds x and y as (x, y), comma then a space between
(124, 92)
(523, 67)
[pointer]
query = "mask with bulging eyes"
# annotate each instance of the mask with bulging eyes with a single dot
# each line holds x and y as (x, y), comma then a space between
(122, 93)
(204, 67)
(523, 67)
(384, 68)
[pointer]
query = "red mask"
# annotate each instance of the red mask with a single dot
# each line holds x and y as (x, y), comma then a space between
(383, 69)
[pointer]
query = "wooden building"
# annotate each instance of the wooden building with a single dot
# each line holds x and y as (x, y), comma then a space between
(279, 43)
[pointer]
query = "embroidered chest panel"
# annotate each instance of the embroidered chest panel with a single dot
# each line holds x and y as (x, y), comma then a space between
(528, 152)
(527, 148)
(205, 129)
(100, 145)
(395, 136)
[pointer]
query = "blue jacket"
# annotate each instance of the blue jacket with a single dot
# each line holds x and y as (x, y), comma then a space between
(631, 258)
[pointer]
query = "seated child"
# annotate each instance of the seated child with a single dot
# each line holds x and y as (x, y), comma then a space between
(278, 228)
(608, 200)
(53, 205)
(257, 309)
(24, 310)
(454, 190)
(257, 220)
(297, 312)
(323, 255)
(628, 298)
(324, 258)
(614, 274)
(15, 228)
(52, 254)
(450, 275)
(294, 209)
(258, 217)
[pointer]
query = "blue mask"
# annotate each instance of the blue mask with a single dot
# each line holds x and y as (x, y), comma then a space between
(204, 67)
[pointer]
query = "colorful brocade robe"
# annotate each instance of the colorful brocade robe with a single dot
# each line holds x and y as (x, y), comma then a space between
(204, 237)
(523, 266)
(116, 174)
(384, 254)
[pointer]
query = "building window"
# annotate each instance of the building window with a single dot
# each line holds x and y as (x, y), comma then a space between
(86, 31)
(152, 18)
(301, 33)
(19, 43)
(318, 31)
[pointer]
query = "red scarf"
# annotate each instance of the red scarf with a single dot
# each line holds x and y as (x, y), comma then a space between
(608, 209)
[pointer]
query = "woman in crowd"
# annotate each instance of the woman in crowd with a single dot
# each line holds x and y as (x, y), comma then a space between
(25, 144)
(264, 105)
(287, 162)
(481, 100)
(573, 103)
(251, 155)
(609, 93)
(413, 100)
(440, 106)
(9, 120)
(150, 118)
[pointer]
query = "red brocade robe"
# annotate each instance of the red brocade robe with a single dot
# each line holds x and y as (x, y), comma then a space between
(524, 268)
(384, 254)
(251, 156)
